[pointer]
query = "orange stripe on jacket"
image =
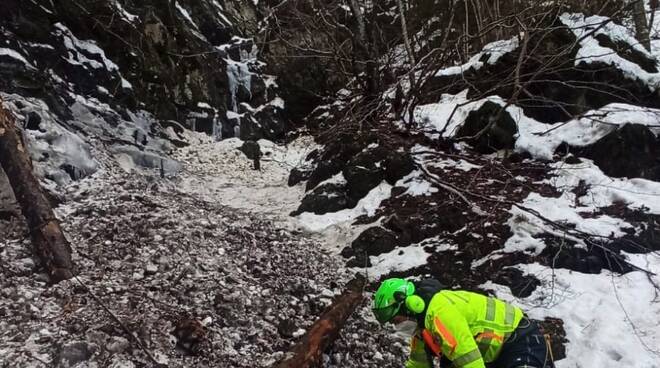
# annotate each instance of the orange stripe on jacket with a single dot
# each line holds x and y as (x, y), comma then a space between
(445, 334)
(490, 335)
(431, 343)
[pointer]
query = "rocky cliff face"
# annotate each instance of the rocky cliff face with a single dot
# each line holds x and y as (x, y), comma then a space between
(127, 77)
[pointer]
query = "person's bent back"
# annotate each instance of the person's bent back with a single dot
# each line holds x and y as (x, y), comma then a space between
(469, 329)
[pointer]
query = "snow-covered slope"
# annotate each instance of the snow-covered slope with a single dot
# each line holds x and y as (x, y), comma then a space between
(554, 208)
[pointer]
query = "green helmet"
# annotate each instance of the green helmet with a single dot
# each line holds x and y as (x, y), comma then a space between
(389, 297)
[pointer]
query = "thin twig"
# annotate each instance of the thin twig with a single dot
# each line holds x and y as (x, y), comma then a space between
(133, 337)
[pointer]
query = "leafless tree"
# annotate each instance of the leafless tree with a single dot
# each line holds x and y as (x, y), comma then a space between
(641, 23)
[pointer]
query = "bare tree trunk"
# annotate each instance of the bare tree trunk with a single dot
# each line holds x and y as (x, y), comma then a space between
(49, 243)
(641, 24)
(363, 44)
(404, 33)
(409, 51)
(307, 353)
(653, 4)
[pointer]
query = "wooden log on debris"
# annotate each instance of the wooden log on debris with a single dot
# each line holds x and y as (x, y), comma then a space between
(49, 243)
(308, 352)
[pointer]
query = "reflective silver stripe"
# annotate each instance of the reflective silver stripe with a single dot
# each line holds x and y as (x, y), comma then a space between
(468, 358)
(490, 310)
(509, 315)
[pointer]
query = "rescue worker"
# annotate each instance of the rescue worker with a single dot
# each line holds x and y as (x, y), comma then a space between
(462, 328)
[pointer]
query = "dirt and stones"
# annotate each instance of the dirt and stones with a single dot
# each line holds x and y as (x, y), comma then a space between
(161, 261)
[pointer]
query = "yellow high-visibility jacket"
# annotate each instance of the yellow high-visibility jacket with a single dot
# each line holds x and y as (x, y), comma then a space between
(467, 328)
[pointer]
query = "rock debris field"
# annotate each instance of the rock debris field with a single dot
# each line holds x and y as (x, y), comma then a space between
(196, 282)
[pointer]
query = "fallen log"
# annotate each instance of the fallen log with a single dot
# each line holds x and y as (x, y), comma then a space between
(49, 243)
(308, 352)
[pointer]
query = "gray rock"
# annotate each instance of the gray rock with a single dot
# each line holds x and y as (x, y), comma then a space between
(326, 198)
(251, 149)
(75, 352)
(501, 133)
(286, 328)
(117, 344)
(151, 269)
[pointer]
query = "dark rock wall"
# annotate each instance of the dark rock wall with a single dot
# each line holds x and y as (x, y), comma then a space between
(134, 74)
(173, 54)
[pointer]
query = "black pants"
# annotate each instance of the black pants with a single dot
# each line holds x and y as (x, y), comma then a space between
(525, 348)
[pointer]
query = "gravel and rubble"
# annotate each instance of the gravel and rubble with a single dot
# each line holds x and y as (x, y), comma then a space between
(198, 283)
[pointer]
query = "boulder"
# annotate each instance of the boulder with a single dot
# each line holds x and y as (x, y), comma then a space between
(324, 199)
(629, 53)
(374, 241)
(286, 328)
(297, 176)
(591, 261)
(324, 170)
(362, 179)
(501, 131)
(73, 353)
(266, 122)
(556, 89)
(332, 160)
(397, 165)
(273, 122)
(373, 165)
(633, 151)
(521, 285)
(250, 128)
(251, 149)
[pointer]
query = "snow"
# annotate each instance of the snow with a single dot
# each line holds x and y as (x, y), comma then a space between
(446, 115)
(238, 75)
(610, 320)
(52, 146)
(232, 115)
(400, 259)
(603, 192)
(416, 184)
(223, 256)
(591, 51)
(337, 179)
(539, 139)
(224, 174)
(130, 18)
(220, 12)
(459, 164)
(598, 310)
(76, 48)
(15, 55)
(185, 14)
(366, 206)
(493, 52)
(270, 81)
(525, 226)
(195, 29)
(126, 84)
